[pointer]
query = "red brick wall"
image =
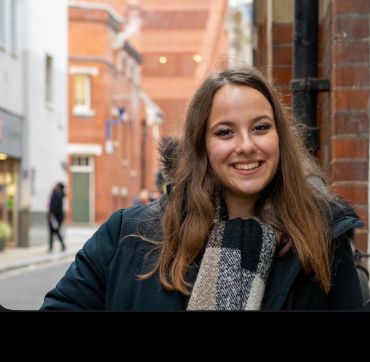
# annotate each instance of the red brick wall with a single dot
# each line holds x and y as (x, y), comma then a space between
(350, 104)
(179, 30)
(343, 113)
(282, 56)
(175, 30)
(261, 48)
(118, 5)
(93, 22)
(90, 45)
(174, 20)
(178, 63)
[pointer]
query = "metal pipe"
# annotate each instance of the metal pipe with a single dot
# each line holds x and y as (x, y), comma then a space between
(305, 56)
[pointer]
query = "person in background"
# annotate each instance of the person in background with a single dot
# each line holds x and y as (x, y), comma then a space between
(142, 198)
(154, 196)
(56, 215)
(246, 222)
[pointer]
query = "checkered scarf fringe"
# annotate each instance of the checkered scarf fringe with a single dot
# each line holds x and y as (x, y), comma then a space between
(235, 266)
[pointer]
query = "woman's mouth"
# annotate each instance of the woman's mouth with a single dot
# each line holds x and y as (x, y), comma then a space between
(246, 166)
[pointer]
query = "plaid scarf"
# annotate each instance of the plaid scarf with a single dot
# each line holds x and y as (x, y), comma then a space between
(235, 266)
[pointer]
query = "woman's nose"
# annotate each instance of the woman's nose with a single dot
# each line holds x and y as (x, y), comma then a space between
(245, 145)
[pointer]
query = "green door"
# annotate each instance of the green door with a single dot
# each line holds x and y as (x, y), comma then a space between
(81, 200)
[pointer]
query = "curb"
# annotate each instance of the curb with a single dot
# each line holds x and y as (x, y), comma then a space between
(38, 260)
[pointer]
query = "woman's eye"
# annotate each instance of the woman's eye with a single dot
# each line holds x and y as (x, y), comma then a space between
(262, 128)
(224, 133)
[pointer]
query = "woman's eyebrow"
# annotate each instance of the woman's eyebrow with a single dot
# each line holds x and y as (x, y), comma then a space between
(263, 116)
(231, 123)
(224, 123)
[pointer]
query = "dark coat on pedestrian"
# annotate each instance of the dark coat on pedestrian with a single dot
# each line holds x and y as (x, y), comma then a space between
(105, 272)
(56, 205)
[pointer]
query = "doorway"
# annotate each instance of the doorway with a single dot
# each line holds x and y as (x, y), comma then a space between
(82, 189)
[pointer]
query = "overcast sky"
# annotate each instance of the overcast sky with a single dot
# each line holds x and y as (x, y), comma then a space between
(235, 2)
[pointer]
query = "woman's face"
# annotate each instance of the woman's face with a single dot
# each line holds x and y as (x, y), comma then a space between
(242, 141)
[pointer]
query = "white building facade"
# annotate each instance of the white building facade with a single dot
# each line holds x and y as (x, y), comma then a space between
(240, 30)
(33, 106)
(11, 111)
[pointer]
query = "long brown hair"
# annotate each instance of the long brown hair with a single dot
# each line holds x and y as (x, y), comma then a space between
(289, 203)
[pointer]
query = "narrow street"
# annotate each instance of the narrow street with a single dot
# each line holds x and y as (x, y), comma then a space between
(24, 289)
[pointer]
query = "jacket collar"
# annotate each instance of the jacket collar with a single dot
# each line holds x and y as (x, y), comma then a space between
(342, 218)
(285, 269)
(282, 275)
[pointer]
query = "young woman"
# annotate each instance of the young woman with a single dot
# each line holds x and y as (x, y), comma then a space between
(247, 223)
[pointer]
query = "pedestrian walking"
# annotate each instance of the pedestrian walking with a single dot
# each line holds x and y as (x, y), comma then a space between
(247, 222)
(142, 198)
(56, 215)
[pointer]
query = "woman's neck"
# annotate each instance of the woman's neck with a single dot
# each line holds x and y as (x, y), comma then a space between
(239, 206)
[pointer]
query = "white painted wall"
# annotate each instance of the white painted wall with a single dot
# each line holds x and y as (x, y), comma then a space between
(11, 65)
(45, 148)
(239, 25)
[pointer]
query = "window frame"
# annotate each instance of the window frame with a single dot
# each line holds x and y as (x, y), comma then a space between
(83, 110)
(49, 81)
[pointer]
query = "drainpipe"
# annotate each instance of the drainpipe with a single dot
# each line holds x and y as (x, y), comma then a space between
(305, 83)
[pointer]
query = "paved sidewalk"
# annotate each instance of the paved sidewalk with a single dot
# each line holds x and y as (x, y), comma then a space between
(15, 257)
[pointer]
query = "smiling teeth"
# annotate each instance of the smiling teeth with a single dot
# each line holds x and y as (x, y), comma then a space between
(246, 166)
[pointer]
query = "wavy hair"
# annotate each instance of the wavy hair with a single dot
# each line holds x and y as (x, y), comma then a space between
(290, 203)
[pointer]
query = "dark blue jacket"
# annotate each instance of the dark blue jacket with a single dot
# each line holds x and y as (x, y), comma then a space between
(56, 205)
(104, 273)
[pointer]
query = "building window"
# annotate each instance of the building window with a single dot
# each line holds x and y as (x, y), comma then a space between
(82, 90)
(2, 23)
(82, 95)
(48, 80)
(81, 161)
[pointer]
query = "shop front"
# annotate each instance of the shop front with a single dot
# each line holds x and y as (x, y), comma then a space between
(9, 195)
(10, 158)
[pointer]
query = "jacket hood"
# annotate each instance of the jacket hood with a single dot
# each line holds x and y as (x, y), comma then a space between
(342, 218)
(168, 150)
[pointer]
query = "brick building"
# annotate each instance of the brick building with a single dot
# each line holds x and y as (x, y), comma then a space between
(171, 45)
(343, 113)
(107, 110)
(180, 42)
